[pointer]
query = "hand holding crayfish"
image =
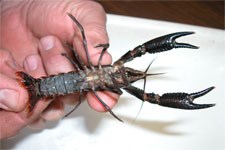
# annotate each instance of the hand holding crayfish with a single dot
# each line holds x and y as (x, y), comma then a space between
(32, 32)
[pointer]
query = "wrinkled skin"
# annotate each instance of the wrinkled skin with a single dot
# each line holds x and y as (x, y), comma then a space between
(32, 33)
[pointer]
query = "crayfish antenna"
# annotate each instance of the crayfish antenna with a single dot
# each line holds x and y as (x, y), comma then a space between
(150, 74)
(144, 86)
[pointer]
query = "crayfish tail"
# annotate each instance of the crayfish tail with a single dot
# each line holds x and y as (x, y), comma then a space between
(32, 86)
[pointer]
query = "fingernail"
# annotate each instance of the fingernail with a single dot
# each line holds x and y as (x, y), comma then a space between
(31, 63)
(100, 36)
(47, 43)
(8, 99)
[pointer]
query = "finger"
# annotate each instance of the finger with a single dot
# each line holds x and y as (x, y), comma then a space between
(7, 63)
(39, 123)
(12, 96)
(10, 124)
(33, 66)
(15, 35)
(54, 111)
(70, 99)
(51, 49)
(94, 24)
(108, 98)
(49, 114)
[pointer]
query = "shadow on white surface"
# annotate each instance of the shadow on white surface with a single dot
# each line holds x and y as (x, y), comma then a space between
(94, 120)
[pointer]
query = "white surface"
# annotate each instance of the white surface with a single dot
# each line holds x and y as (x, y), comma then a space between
(156, 127)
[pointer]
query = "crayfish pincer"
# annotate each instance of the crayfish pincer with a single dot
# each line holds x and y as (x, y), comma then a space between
(111, 77)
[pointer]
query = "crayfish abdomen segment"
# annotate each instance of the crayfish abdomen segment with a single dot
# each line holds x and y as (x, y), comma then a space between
(62, 84)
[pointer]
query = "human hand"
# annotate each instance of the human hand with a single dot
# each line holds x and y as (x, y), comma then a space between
(32, 32)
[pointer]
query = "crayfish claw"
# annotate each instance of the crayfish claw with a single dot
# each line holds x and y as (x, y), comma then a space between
(190, 105)
(184, 45)
(184, 100)
(201, 93)
(174, 36)
(167, 42)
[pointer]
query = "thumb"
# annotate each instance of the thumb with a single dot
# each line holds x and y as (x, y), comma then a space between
(12, 96)
(93, 21)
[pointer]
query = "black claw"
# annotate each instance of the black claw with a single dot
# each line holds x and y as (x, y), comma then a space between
(167, 42)
(172, 37)
(201, 93)
(184, 100)
(193, 96)
(184, 45)
(190, 105)
(176, 35)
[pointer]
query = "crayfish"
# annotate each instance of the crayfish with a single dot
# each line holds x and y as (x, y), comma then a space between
(111, 77)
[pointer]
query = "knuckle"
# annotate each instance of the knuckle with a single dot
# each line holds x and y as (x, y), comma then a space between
(5, 55)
